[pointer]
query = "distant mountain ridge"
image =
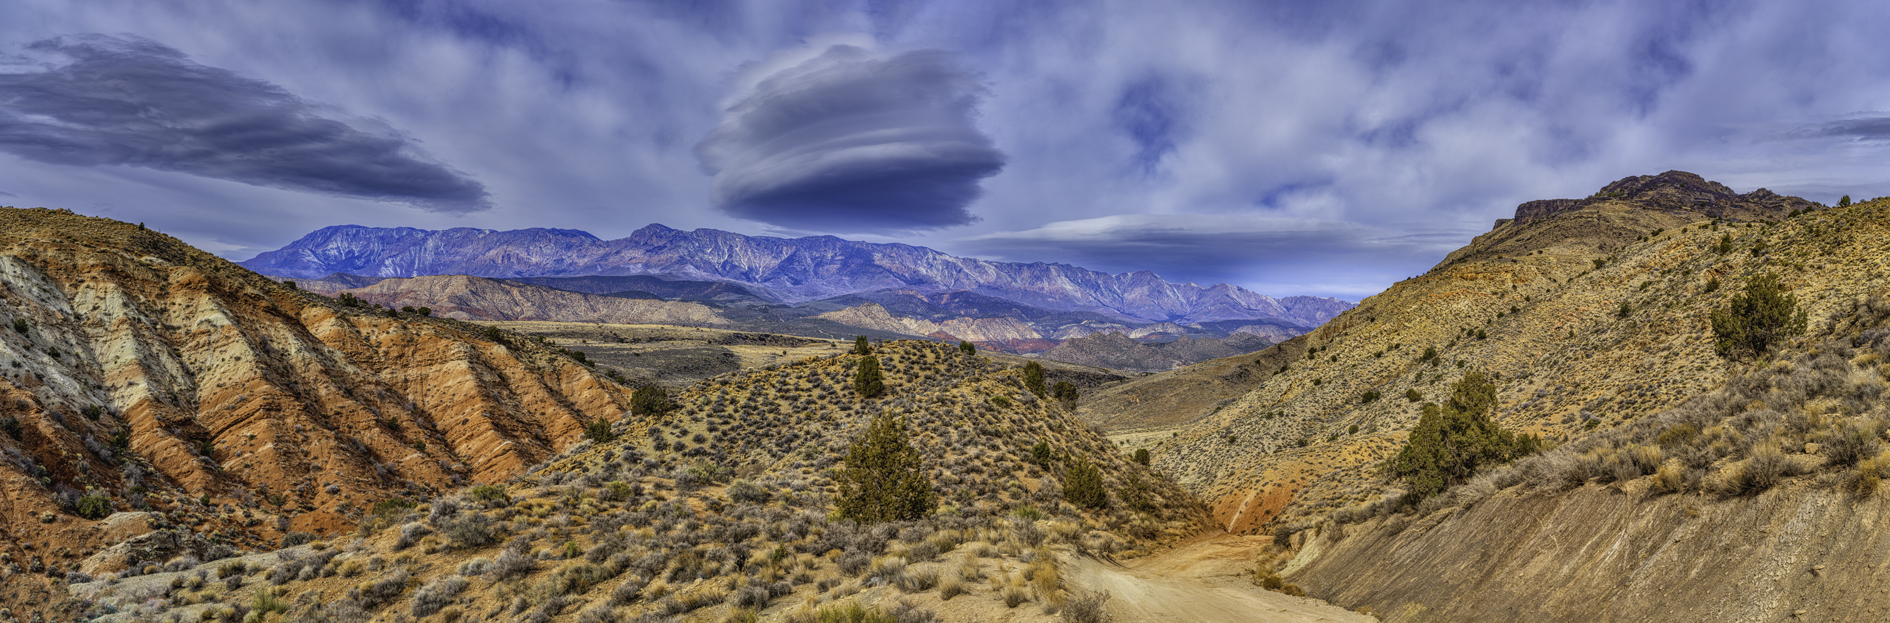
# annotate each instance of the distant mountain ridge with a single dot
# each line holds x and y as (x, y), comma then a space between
(791, 270)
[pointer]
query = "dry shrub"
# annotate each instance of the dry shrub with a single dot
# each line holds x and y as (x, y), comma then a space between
(1670, 478)
(950, 586)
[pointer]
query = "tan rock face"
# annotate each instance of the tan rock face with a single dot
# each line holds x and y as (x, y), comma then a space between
(158, 375)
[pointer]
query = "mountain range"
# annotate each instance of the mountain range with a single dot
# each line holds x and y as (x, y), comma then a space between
(783, 270)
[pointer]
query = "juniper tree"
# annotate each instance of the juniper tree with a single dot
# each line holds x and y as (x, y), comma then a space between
(883, 479)
(1033, 378)
(860, 347)
(967, 348)
(868, 380)
(1758, 319)
(1083, 485)
(1450, 442)
(650, 400)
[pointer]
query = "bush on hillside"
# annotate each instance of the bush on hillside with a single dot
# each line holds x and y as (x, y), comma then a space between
(1141, 456)
(1757, 320)
(967, 348)
(1451, 442)
(860, 347)
(867, 380)
(650, 400)
(1065, 392)
(883, 479)
(1033, 379)
(598, 430)
(1083, 485)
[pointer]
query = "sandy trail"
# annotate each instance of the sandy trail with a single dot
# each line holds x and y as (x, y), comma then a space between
(1204, 580)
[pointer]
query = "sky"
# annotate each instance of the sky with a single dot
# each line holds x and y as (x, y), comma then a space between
(1323, 148)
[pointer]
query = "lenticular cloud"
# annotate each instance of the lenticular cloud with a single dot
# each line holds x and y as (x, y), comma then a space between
(853, 141)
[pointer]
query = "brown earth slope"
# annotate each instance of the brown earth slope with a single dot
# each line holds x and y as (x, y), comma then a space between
(1537, 303)
(723, 507)
(154, 375)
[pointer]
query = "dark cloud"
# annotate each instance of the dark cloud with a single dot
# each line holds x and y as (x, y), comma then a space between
(134, 102)
(1870, 128)
(1299, 256)
(852, 141)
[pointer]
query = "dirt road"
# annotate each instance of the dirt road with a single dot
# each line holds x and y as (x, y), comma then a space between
(1204, 580)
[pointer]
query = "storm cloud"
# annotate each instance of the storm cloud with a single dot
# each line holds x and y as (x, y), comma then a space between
(854, 141)
(95, 100)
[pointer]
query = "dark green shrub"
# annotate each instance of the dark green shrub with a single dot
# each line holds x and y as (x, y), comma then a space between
(867, 380)
(860, 347)
(1141, 456)
(1040, 454)
(1725, 244)
(488, 493)
(92, 412)
(94, 505)
(1412, 395)
(1430, 354)
(1083, 485)
(967, 348)
(1065, 392)
(11, 426)
(883, 479)
(19, 326)
(650, 400)
(425, 311)
(1623, 311)
(1033, 379)
(1844, 202)
(1449, 443)
(121, 440)
(1599, 262)
(598, 431)
(1757, 320)
(1370, 396)
(1712, 284)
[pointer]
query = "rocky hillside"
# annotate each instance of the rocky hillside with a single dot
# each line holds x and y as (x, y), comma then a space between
(1009, 333)
(1763, 494)
(1118, 351)
(1538, 303)
(789, 270)
(478, 298)
(721, 508)
(140, 374)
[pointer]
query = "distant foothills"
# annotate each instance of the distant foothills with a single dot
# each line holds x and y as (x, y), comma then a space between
(824, 280)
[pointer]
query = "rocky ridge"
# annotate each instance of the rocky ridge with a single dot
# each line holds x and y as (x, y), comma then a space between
(140, 373)
(477, 298)
(788, 270)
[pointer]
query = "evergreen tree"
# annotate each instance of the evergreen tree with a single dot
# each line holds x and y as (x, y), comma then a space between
(1758, 319)
(1033, 378)
(967, 348)
(1845, 202)
(868, 380)
(1141, 456)
(1065, 392)
(1451, 442)
(1040, 454)
(650, 400)
(860, 347)
(1083, 485)
(884, 479)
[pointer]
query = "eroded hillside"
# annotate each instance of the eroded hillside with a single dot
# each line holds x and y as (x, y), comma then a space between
(1593, 311)
(721, 507)
(140, 374)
